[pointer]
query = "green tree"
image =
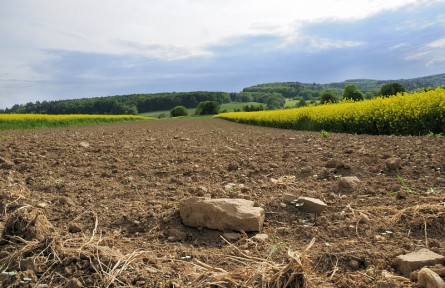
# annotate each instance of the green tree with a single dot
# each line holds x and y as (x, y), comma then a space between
(328, 96)
(391, 89)
(178, 111)
(275, 101)
(301, 103)
(351, 92)
(207, 108)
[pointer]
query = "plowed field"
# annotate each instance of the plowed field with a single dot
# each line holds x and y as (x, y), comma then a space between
(111, 193)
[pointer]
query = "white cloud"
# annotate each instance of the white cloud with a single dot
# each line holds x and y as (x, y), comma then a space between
(398, 46)
(324, 43)
(178, 28)
(437, 44)
(431, 53)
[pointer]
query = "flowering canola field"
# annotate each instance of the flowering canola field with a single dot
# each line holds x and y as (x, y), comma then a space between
(404, 114)
(29, 121)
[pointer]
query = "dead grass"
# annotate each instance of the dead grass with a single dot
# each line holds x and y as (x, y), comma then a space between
(424, 218)
(31, 244)
(252, 271)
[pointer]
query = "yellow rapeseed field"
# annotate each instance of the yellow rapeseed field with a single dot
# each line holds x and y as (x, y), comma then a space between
(27, 121)
(404, 114)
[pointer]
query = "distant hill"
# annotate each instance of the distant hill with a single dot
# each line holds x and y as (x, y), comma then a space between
(262, 93)
(312, 90)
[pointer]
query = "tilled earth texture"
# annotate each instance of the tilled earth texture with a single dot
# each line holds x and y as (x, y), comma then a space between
(98, 206)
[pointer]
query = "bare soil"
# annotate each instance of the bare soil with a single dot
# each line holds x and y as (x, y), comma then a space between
(111, 194)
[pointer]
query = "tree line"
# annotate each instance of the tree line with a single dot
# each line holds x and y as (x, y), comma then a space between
(125, 104)
(271, 95)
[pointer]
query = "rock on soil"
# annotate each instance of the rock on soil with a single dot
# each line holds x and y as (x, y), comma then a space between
(409, 262)
(260, 237)
(311, 205)
(222, 214)
(349, 182)
(429, 279)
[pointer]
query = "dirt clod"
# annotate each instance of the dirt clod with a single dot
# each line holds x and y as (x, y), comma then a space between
(28, 223)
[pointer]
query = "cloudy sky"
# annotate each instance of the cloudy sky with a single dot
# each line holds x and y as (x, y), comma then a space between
(52, 49)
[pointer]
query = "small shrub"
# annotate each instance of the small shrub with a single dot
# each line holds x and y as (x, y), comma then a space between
(207, 108)
(178, 111)
(324, 134)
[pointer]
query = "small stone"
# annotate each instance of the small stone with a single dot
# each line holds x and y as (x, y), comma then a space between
(74, 228)
(84, 144)
(232, 236)
(74, 283)
(414, 260)
(364, 218)
(349, 182)
(311, 205)
(274, 165)
(429, 279)
(393, 164)
(283, 205)
(260, 237)
(41, 205)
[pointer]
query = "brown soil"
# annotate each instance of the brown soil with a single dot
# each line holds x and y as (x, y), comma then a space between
(112, 192)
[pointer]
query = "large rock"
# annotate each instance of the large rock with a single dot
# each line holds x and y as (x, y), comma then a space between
(415, 260)
(222, 214)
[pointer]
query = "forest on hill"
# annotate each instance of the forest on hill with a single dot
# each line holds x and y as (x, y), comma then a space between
(268, 94)
(370, 88)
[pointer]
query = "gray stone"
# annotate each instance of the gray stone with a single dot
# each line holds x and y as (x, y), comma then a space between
(311, 205)
(222, 214)
(430, 279)
(409, 262)
(260, 237)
